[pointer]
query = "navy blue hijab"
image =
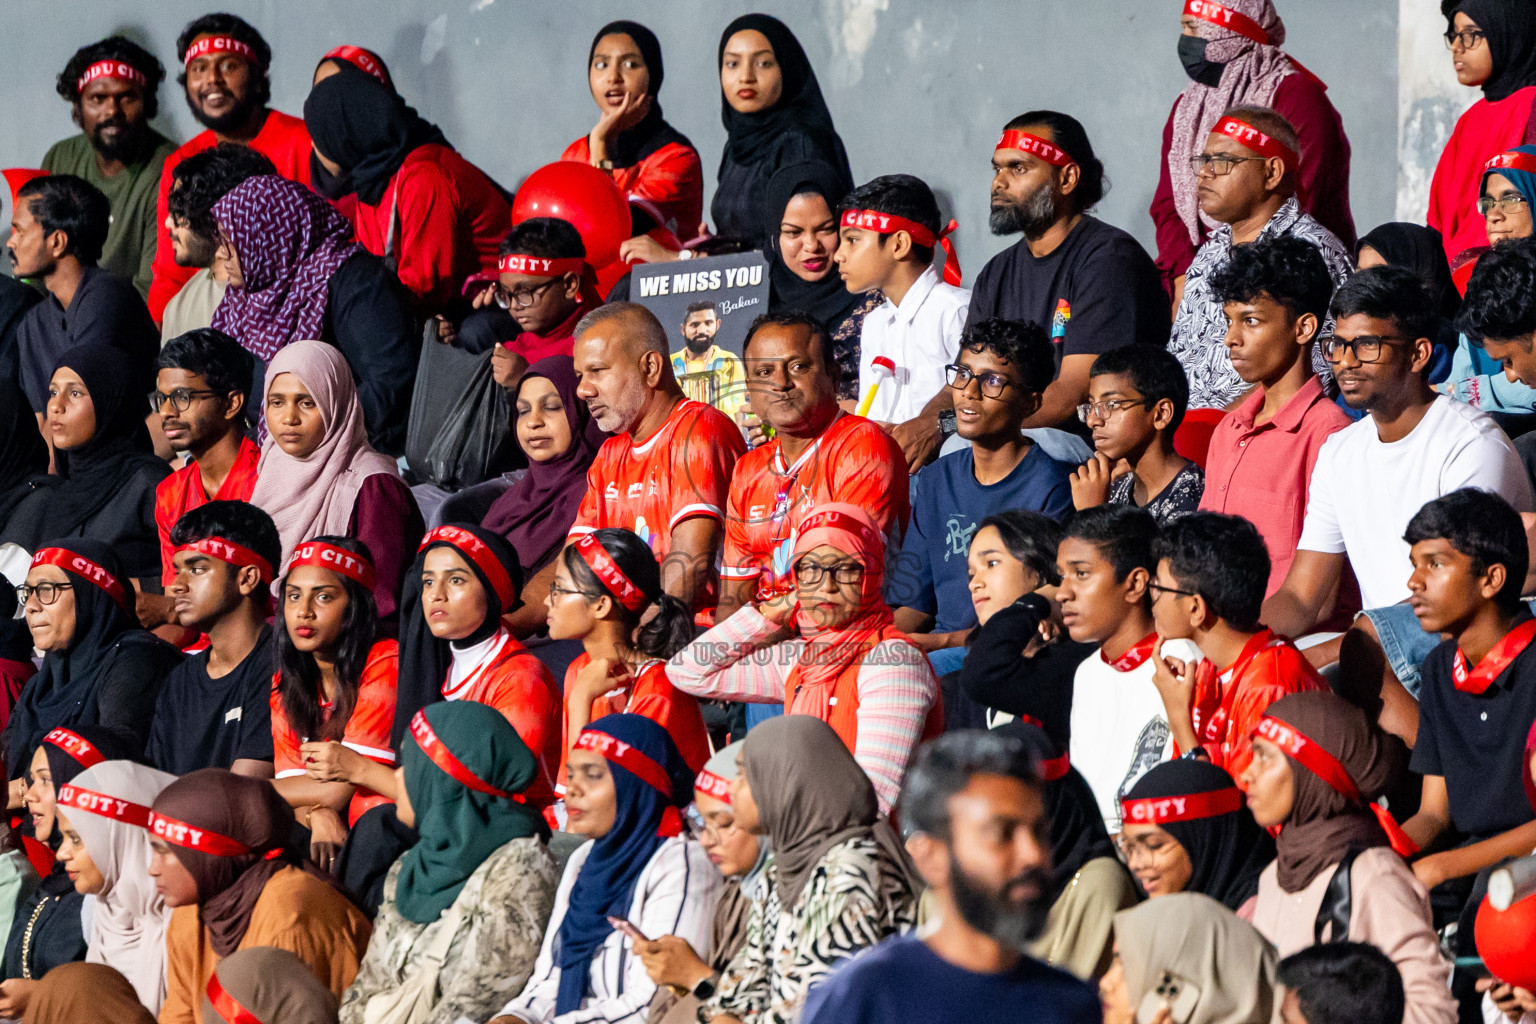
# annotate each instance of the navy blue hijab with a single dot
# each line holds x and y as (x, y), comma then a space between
(606, 884)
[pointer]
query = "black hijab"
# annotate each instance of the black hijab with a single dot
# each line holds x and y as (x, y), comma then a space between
(15, 638)
(1077, 828)
(365, 127)
(1510, 26)
(424, 659)
(1227, 852)
(65, 759)
(1419, 249)
(827, 300)
(107, 647)
(336, 186)
(652, 132)
(23, 453)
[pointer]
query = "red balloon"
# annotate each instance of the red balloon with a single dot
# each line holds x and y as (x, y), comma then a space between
(1506, 940)
(583, 196)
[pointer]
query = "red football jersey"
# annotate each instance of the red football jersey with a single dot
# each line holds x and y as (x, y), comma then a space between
(183, 491)
(854, 461)
(652, 696)
(367, 730)
(518, 685)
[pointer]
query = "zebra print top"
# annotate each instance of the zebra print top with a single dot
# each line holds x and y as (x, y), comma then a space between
(855, 898)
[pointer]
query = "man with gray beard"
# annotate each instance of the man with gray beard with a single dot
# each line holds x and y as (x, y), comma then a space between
(973, 807)
(1091, 286)
(665, 474)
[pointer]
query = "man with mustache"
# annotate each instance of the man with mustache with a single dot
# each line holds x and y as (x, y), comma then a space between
(113, 89)
(225, 71)
(1246, 180)
(973, 809)
(1092, 283)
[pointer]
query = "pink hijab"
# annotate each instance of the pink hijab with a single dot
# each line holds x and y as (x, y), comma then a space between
(1253, 72)
(314, 495)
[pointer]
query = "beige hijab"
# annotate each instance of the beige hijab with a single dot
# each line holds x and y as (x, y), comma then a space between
(1203, 946)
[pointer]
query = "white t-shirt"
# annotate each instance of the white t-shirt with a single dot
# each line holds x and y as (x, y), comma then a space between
(921, 336)
(1364, 492)
(1119, 727)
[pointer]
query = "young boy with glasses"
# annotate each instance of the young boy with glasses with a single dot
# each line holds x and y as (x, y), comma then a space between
(1136, 400)
(1208, 589)
(994, 386)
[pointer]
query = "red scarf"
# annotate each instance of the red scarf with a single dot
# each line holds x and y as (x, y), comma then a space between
(1135, 657)
(1494, 663)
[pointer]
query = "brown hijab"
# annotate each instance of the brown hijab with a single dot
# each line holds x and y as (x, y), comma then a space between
(79, 992)
(247, 811)
(271, 985)
(811, 796)
(1324, 824)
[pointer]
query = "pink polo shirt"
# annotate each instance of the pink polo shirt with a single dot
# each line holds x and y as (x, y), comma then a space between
(1262, 472)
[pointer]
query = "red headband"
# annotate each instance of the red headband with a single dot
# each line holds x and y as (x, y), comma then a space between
(1192, 807)
(229, 551)
(81, 566)
(226, 1005)
(111, 69)
(479, 552)
(339, 560)
(540, 266)
(608, 573)
(627, 757)
(834, 519)
(190, 837)
(710, 784)
(1512, 161)
(76, 746)
(107, 806)
(886, 223)
(441, 756)
(360, 59)
(1226, 17)
(1325, 766)
(218, 44)
(1264, 145)
(1034, 145)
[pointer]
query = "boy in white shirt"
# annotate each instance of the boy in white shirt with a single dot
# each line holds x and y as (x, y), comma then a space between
(888, 229)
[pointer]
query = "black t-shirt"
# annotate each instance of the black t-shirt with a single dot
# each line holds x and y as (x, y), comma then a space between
(1476, 741)
(368, 316)
(105, 310)
(212, 723)
(1098, 290)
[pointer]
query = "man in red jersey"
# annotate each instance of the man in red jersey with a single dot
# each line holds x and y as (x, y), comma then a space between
(666, 472)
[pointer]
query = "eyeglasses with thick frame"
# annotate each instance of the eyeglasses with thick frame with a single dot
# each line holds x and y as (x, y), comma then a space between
(810, 573)
(179, 399)
(1105, 410)
(47, 592)
(1469, 38)
(1158, 590)
(1366, 348)
(522, 298)
(992, 384)
(1219, 164)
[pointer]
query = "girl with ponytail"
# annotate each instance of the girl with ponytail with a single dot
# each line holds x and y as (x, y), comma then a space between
(607, 594)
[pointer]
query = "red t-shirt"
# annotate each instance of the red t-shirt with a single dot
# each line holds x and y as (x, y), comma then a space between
(670, 179)
(451, 222)
(854, 462)
(1483, 132)
(367, 731)
(1229, 703)
(651, 696)
(680, 472)
(183, 491)
(518, 685)
(282, 139)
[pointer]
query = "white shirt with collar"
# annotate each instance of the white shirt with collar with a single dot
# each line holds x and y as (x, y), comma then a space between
(921, 336)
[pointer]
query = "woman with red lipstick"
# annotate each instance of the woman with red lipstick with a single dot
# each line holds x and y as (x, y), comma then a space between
(774, 116)
(646, 157)
(335, 683)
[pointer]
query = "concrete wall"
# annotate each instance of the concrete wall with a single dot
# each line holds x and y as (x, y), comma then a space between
(915, 85)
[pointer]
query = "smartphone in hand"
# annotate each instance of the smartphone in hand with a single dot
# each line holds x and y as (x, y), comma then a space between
(626, 927)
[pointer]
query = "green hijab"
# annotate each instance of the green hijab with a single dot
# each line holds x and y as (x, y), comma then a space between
(460, 826)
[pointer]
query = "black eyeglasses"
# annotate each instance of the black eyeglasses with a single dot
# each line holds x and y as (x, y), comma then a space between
(992, 384)
(47, 593)
(1219, 164)
(1159, 589)
(1366, 349)
(810, 573)
(522, 298)
(1468, 38)
(180, 399)
(557, 589)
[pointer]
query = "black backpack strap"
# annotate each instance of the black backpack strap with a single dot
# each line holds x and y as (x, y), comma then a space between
(1337, 904)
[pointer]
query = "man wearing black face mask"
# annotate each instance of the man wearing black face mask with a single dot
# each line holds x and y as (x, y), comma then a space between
(1231, 52)
(974, 808)
(112, 87)
(225, 72)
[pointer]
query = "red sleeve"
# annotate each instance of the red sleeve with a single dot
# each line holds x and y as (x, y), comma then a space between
(166, 276)
(677, 712)
(1175, 250)
(373, 715)
(874, 477)
(524, 692)
(165, 518)
(429, 233)
(386, 519)
(1325, 153)
(703, 459)
(285, 745)
(673, 178)
(579, 151)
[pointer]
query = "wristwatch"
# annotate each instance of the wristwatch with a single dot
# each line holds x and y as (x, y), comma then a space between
(947, 424)
(705, 988)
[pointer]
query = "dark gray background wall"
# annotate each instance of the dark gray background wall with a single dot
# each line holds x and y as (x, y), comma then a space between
(914, 85)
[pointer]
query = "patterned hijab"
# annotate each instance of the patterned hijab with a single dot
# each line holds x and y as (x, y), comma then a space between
(1252, 74)
(290, 242)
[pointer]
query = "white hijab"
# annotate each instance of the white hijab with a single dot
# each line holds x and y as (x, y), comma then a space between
(128, 928)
